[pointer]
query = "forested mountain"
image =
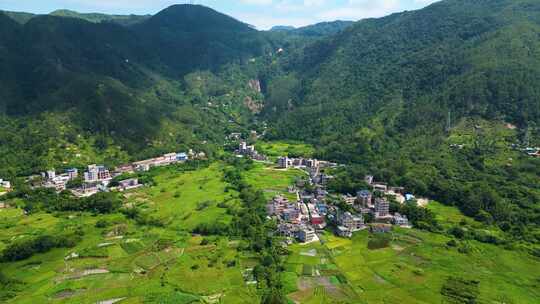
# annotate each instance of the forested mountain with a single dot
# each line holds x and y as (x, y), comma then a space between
(123, 86)
(97, 17)
(394, 94)
(126, 20)
(315, 30)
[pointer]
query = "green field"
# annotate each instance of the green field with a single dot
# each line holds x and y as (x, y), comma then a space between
(271, 180)
(412, 269)
(143, 264)
(186, 200)
(275, 149)
(168, 264)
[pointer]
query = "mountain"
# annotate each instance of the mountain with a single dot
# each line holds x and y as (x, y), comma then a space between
(469, 60)
(315, 30)
(188, 37)
(323, 28)
(125, 20)
(20, 17)
(137, 87)
(282, 28)
(423, 99)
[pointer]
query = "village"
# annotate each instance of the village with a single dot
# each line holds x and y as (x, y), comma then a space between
(313, 210)
(98, 178)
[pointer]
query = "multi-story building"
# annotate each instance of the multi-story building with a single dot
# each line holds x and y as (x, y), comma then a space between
(283, 162)
(400, 220)
(96, 173)
(382, 207)
(72, 173)
(277, 205)
(363, 199)
(306, 234)
(351, 222)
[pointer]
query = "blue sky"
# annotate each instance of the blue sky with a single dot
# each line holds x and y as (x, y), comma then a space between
(261, 13)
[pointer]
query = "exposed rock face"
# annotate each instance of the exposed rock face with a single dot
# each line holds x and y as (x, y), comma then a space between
(254, 106)
(255, 84)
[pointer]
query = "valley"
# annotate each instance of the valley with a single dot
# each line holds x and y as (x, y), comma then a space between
(188, 157)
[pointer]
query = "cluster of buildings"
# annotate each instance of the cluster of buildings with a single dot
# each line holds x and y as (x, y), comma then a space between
(59, 181)
(249, 151)
(97, 178)
(302, 219)
(296, 220)
(165, 160)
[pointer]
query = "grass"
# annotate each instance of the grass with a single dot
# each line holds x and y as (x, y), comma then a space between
(145, 264)
(275, 149)
(185, 200)
(271, 180)
(412, 269)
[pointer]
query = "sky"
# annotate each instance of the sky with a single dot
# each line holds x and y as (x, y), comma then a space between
(261, 13)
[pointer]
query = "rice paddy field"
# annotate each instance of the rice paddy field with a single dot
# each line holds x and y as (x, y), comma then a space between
(273, 181)
(124, 262)
(130, 263)
(413, 268)
(275, 149)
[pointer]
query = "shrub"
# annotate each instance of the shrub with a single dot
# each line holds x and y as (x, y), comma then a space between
(379, 241)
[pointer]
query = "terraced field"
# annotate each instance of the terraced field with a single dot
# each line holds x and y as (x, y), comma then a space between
(412, 269)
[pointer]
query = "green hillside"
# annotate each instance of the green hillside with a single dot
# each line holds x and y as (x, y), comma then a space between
(125, 20)
(390, 94)
(141, 89)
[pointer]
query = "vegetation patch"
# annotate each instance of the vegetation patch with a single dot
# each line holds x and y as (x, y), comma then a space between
(379, 241)
(460, 291)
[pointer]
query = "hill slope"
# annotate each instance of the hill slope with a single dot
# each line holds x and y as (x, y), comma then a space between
(393, 95)
(126, 85)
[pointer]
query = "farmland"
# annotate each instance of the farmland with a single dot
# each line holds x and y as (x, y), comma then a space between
(412, 268)
(118, 258)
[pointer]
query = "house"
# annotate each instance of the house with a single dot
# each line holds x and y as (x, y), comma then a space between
(123, 169)
(409, 197)
(283, 162)
(382, 207)
(87, 189)
(326, 178)
(350, 200)
(277, 205)
(50, 174)
(351, 222)
(363, 199)
(306, 235)
(312, 163)
(235, 136)
(398, 190)
(322, 208)
(96, 173)
(380, 228)
(72, 173)
(401, 220)
(128, 184)
(382, 187)
(59, 183)
(182, 157)
(287, 230)
(291, 214)
(343, 232)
